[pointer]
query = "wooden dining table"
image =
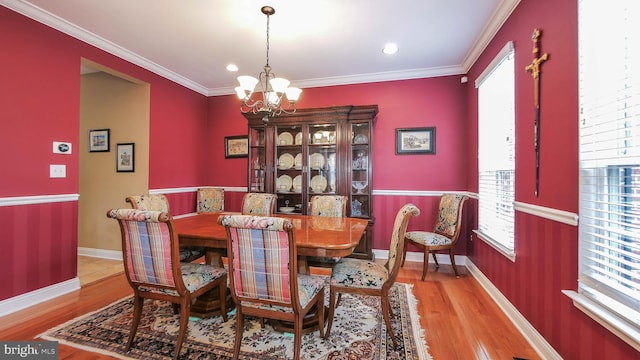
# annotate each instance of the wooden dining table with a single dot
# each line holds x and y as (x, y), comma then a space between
(314, 236)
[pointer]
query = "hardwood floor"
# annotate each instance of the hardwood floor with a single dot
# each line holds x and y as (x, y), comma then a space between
(460, 320)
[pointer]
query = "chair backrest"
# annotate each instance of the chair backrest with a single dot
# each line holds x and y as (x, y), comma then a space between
(396, 247)
(210, 199)
(150, 248)
(328, 205)
(150, 202)
(262, 259)
(263, 204)
(450, 215)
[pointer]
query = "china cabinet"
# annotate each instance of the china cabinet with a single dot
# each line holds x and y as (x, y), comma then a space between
(314, 152)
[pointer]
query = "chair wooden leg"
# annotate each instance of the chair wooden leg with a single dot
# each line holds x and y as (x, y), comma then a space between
(384, 299)
(425, 264)
(320, 306)
(239, 331)
(223, 299)
(332, 306)
(185, 308)
(453, 262)
(297, 336)
(404, 252)
(435, 259)
(137, 312)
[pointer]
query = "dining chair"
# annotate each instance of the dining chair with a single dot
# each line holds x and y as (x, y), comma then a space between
(444, 235)
(264, 279)
(159, 202)
(210, 199)
(328, 205)
(154, 270)
(357, 276)
(263, 204)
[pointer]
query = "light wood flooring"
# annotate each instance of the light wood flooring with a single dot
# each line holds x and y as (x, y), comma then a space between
(459, 319)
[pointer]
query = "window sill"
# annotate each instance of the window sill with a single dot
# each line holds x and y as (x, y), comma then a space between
(508, 253)
(602, 316)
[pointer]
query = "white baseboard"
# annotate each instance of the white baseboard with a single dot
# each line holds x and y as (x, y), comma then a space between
(26, 300)
(537, 341)
(100, 253)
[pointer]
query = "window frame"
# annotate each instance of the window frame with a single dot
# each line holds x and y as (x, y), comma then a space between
(501, 241)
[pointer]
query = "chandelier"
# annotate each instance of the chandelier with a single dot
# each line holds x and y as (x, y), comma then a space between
(274, 90)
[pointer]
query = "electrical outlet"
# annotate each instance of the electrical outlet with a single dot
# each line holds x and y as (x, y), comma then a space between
(61, 147)
(57, 171)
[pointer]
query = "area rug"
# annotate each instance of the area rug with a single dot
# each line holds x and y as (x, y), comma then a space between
(358, 332)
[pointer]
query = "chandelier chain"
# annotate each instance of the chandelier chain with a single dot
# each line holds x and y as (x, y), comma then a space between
(268, 39)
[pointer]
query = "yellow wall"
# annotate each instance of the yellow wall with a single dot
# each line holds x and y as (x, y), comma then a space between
(110, 102)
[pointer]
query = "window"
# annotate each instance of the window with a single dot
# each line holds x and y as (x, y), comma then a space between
(496, 152)
(609, 209)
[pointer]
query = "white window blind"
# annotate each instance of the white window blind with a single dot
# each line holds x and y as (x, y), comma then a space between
(609, 208)
(496, 153)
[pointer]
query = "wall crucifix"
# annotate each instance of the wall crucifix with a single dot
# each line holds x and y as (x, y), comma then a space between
(534, 68)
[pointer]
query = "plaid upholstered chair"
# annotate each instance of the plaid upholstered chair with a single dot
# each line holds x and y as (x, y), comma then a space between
(209, 200)
(154, 271)
(259, 204)
(370, 278)
(445, 233)
(159, 202)
(264, 277)
(328, 205)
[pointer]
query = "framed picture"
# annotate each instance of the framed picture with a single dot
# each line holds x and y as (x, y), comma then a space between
(416, 141)
(99, 140)
(125, 157)
(236, 146)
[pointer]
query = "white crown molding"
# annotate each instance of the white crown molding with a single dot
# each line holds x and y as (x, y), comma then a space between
(364, 78)
(40, 15)
(485, 36)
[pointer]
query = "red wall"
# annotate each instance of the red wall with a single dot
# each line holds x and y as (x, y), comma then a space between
(546, 251)
(39, 104)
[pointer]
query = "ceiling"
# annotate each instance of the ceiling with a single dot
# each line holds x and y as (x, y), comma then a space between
(312, 42)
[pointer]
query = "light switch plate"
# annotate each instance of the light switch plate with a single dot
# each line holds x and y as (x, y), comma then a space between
(60, 147)
(57, 171)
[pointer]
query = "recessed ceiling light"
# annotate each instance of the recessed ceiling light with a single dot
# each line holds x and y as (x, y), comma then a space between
(232, 67)
(390, 48)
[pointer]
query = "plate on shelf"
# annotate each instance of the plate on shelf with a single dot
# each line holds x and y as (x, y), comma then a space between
(297, 183)
(324, 137)
(284, 183)
(360, 139)
(316, 161)
(299, 138)
(285, 161)
(318, 184)
(285, 138)
(297, 162)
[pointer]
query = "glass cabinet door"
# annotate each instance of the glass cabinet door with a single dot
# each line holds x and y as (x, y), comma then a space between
(360, 170)
(257, 160)
(322, 160)
(289, 173)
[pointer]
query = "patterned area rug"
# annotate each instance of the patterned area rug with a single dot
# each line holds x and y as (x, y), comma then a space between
(358, 332)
